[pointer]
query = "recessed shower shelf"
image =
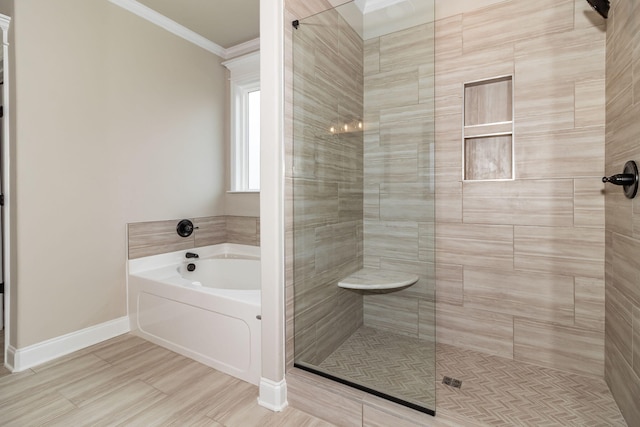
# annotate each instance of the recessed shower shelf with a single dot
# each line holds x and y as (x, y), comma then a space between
(374, 279)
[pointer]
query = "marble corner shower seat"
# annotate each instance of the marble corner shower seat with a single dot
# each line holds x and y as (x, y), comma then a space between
(375, 279)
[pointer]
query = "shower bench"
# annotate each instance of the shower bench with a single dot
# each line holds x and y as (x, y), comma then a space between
(375, 279)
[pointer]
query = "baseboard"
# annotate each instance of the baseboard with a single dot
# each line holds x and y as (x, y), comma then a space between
(273, 395)
(20, 359)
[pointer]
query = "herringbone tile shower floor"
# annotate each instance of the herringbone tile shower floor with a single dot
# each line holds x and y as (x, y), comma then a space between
(495, 391)
(502, 392)
(395, 364)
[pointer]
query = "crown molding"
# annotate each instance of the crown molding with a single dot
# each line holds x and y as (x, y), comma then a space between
(243, 48)
(170, 25)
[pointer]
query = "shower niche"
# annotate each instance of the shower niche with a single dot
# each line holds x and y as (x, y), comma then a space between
(488, 130)
(364, 200)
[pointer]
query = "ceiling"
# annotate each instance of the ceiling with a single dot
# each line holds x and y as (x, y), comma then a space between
(227, 23)
(375, 18)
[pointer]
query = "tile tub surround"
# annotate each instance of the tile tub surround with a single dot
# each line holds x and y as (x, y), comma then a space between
(158, 237)
(622, 271)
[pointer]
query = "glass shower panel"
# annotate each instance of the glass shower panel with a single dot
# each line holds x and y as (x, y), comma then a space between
(364, 198)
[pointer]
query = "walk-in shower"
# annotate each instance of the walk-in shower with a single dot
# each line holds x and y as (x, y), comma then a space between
(363, 198)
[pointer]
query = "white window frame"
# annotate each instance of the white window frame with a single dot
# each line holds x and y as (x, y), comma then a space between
(244, 77)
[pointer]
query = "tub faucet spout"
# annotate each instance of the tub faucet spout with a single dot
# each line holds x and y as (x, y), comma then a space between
(191, 255)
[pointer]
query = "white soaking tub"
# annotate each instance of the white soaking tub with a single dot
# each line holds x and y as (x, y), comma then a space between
(211, 314)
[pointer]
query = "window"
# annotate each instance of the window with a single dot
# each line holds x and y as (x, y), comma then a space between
(245, 123)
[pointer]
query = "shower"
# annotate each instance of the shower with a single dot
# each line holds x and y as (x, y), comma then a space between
(600, 6)
(364, 198)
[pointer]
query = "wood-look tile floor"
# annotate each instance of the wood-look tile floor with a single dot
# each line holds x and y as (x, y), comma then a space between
(131, 382)
(128, 381)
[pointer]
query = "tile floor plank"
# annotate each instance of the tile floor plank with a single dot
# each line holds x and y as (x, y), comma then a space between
(128, 381)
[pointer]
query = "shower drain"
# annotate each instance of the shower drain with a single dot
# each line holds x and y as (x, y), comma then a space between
(452, 382)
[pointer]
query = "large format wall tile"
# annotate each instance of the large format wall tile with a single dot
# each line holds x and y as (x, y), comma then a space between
(619, 323)
(242, 230)
(427, 320)
(158, 237)
(560, 250)
(448, 33)
(589, 303)
(551, 69)
(448, 201)
(622, 134)
(395, 165)
(560, 154)
(475, 245)
(213, 231)
(626, 265)
(399, 163)
(391, 239)
(314, 395)
(392, 313)
(479, 330)
(315, 203)
(561, 347)
(406, 202)
(511, 21)
(449, 284)
(327, 192)
(624, 384)
(526, 202)
(392, 89)
(334, 245)
(472, 66)
(549, 220)
(530, 295)
(152, 238)
(588, 207)
(304, 8)
(590, 101)
(407, 48)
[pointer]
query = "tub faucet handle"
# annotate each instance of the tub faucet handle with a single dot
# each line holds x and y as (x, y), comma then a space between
(191, 255)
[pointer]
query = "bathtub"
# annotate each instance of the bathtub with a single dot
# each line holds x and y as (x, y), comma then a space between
(211, 314)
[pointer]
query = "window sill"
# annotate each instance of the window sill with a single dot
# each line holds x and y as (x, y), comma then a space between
(243, 192)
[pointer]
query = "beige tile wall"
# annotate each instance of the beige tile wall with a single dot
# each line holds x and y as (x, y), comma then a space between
(325, 171)
(520, 264)
(556, 54)
(158, 237)
(398, 176)
(345, 406)
(622, 331)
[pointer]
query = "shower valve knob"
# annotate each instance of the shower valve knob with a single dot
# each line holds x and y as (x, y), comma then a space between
(620, 179)
(628, 179)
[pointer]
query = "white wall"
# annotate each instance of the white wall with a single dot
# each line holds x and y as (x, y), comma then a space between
(116, 120)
